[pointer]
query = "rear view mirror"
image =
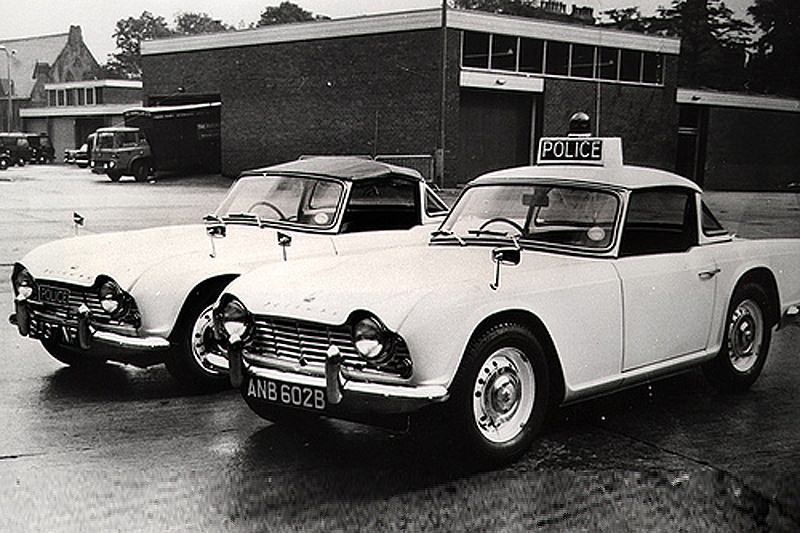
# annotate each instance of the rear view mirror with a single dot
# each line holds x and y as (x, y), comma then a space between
(539, 198)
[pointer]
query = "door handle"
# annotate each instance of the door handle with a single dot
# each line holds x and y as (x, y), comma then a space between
(708, 274)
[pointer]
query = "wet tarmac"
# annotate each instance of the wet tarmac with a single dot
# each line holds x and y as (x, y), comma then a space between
(113, 448)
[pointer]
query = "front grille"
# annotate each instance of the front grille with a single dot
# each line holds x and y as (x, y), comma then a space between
(305, 342)
(66, 309)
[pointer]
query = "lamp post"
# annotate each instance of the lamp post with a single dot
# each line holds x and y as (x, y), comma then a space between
(9, 53)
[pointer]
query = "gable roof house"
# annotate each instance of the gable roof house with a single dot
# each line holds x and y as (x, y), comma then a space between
(35, 61)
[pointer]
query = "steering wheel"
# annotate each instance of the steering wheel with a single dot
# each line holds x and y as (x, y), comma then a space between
(504, 220)
(269, 205)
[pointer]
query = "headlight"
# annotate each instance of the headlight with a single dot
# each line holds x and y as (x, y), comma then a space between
(24, 285)
(112, 299)
(372, 340)
(233, 323)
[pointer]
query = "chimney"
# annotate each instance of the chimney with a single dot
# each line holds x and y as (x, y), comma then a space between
(75, 35)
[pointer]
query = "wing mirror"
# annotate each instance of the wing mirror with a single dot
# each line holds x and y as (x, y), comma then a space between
(215, 227)
(504, 255)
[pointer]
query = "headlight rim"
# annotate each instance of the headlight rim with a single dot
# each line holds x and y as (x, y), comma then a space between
(120, 296)
(387, 341)
(17, 283)
(222, 334)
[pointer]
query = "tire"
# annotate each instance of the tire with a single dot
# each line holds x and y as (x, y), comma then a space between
(141, 170)
(114, 175)
(188, 360)
(745, 342)
(504, 377)
(86, 165)
(69, 356)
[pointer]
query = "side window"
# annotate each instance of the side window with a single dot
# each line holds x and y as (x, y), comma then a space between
(434, 206)
(659, 221)
(381, 204)
(711, 225)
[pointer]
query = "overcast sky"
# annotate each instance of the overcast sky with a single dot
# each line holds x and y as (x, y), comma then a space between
(98, 18)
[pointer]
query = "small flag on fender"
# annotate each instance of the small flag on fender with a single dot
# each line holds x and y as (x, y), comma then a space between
(77, 219)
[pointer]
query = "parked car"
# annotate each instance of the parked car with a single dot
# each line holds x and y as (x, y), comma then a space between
(81, 156)
(17, 146)
(41, 148)
(545, 285)
(5, 159)
(144, 297)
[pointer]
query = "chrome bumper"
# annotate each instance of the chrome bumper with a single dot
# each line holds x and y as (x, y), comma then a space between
(88, 334)
(351, 397)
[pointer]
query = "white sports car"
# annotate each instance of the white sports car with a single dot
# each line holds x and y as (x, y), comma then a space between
(144, 297)
(545, 285)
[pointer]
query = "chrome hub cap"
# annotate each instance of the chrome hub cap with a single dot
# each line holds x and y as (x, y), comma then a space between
(206, 352)
(745, 335)
(503, 395)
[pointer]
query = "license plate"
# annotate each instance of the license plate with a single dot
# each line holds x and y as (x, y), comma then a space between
(53, 295)
(54, 332)
(289, 394)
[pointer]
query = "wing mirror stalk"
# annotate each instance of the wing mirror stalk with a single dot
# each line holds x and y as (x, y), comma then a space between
(215, 229)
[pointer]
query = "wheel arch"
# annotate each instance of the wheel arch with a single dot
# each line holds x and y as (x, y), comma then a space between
(197, 294)
(530, 320)
(763, 277)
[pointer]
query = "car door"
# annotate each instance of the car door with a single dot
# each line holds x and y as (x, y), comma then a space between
(668, 281)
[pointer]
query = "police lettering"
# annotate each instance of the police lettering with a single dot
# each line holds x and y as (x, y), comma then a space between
(557, 150)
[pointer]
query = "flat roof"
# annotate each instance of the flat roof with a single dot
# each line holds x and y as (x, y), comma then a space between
(744, 101)
(120, 84)
(425, 19)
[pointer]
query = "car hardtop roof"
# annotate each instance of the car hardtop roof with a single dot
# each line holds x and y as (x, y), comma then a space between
(624, 176)
(350, 168)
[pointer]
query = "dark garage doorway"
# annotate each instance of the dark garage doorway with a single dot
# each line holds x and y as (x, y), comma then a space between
(494, 130)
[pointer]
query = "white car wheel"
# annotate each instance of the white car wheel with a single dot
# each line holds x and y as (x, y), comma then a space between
(745, 335)
(504, 393)
(207, 354)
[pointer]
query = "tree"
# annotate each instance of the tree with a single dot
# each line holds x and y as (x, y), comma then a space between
(775, 66)
(713, 41)
(196, 23)
(128, 35)
(286, 13)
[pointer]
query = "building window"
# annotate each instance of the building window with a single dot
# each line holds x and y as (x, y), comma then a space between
(557, 58)
(630, 66)
(582, 63)
(51, 98)
(98, 95)
(537, 56)
(653, 67)
(608, 64)
(90, 96)
(70, 96)
(61, 97)
(475, 51)
(531, 55)
(504, 52)
(81, 97)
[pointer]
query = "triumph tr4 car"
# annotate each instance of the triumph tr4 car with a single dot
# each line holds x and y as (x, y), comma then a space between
(144, 297)
(545, 285)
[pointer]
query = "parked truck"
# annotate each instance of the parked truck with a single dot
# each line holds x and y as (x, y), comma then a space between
(179, 139)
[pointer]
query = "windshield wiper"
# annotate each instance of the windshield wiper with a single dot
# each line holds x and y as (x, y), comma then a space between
(492, 232)
(448, 233)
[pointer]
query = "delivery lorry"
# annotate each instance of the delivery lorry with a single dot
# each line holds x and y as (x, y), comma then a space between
(179, 139)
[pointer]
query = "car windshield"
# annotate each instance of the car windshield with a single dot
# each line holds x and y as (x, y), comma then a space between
(306, 201)
(553, 215)
(105, 140)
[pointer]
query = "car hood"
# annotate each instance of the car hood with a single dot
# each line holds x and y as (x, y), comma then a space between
(388, 283)
(126, 256)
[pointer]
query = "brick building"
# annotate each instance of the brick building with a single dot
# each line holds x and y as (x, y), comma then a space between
(455, 95)
(389, 85)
